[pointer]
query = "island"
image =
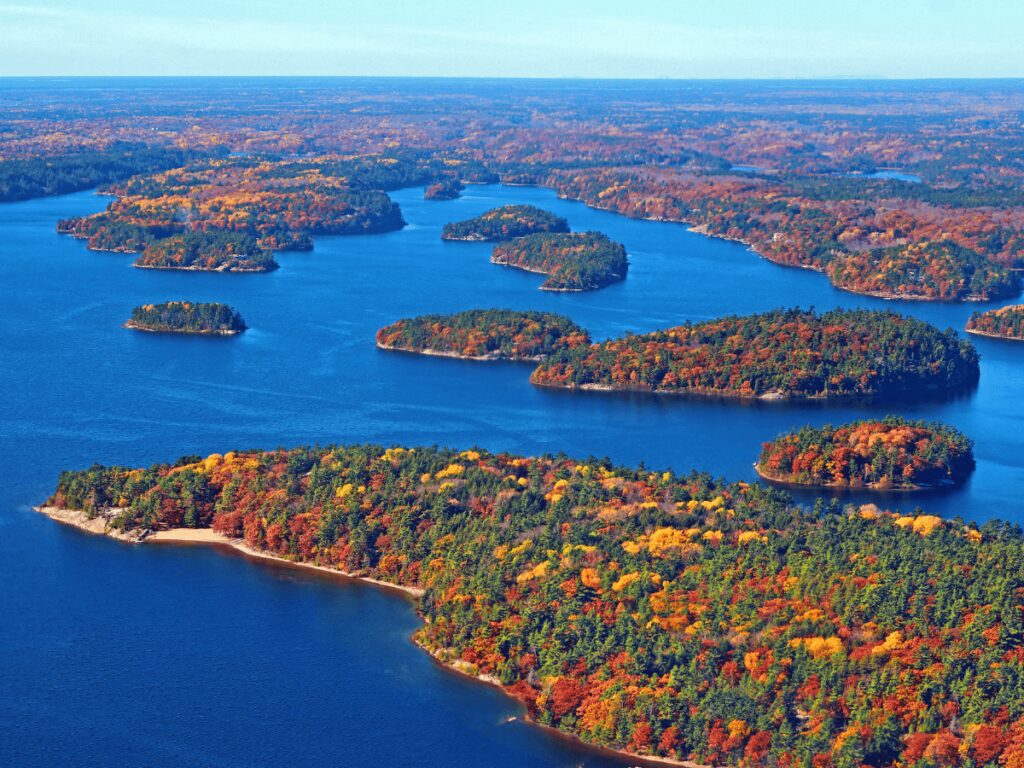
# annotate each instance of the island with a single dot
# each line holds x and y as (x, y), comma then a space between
(204, 215)
(484, 334)
(660, 614)
(446, 189)
(210, 251)
(882, 454)
(504, 223)
(783, 354)
(1003, 323)
(187, 317)
(578, 261)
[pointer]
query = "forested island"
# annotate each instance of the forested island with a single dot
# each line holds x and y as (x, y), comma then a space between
(228, 214)
(1003, 323)
(659, 614)
(578, 261)
(776, 355)
(885, 454)
(484, 334)
(211, 251)
(504, 223)
(446, 189)
(187, 317)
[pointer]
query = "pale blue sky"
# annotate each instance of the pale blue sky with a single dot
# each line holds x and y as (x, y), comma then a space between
(550, 38)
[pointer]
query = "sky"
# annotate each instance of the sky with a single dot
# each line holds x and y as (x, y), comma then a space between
(515, 38)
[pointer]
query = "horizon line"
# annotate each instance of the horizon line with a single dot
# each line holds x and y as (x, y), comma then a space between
(581, 78)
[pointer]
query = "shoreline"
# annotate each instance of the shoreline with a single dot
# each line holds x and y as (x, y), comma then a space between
(490, 358)
(226, 332)
(793, 485)
(615, 278)
(703, 229)
(987, 335)
(99, 525)
(205, 536)
(222, 268)
(767, 397)
(774, 396)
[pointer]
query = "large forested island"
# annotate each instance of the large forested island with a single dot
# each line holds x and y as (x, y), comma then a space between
(484, 334)
(187, 317)
(885, 454)
(781, 354)
(1003, 323)
(504, 223)
(651, 612)
(578, 261)
(203, 216)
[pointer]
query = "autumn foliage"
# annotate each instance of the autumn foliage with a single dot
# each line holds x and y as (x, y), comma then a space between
(891, 453)
(492, 334)
(1006, 322)
(785, 353)
(665, 614)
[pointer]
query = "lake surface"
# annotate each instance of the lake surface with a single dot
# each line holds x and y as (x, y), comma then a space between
(177, 656)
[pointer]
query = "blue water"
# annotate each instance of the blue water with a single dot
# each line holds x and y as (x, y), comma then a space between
(177, 656)
(892, 175)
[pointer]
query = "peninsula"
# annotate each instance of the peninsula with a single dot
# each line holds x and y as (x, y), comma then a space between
(661, 615)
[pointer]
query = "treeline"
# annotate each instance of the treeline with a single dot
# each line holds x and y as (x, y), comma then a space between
(493, 334)
(49, 174)
(579, 261)
(663, 614)
(780, 354)
(889, 453)
(187, 317)
(505, 223)
(1007, 322)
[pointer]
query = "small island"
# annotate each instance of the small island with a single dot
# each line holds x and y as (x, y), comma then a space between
(187, 317)
(1003, 323)
(207, 251)
(783, 354)
(579, 261)
(504, 223)
(484, 334)
(446, 189)
(880, 454)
